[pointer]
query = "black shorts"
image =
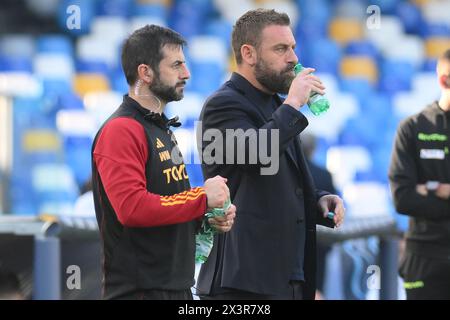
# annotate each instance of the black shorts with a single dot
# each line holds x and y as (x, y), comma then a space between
(425, 277)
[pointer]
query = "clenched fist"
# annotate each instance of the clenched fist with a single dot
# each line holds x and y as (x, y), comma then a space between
(216, 191)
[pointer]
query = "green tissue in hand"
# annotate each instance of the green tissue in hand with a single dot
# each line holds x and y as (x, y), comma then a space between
(205, 238)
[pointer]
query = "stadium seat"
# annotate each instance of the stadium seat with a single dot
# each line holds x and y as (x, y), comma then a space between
(102, 104)
(396, 76)
(90, 82)
(367, 200)
(433, 29)
(362, 67)
(409, 103)
(98, 48)
(391, 29)
(113, 29)
(92, 66)
(437, 12)
(410, 16)
(188, 108)
(75, 122)
(344, 161)
(70, 101)
(428, 80)
(361, 48)
(55, 187)
(436, 46)
(350, 9)
(39, 140)
(121, 8)
(53, 66)
(221, 29)
(345, 30)
(155, 10)
(361, 88)
(322, 54)
(137, 22)
(54, 44)
(328, 125)
(14, 63)
(412, 51)
(17, 45)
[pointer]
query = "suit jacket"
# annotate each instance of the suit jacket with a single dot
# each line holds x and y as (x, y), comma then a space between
(259, 253)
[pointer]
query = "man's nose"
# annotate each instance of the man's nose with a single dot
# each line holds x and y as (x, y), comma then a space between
(185, 73)
(292, 57)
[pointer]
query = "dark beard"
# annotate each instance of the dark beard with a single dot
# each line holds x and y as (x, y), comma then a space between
(272, 80)
(164, 92)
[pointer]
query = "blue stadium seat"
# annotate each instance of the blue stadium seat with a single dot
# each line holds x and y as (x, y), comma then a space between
(361, 88)
(378, 107)
(220, 28)
(322, 54)
(54, 187)
(434, 30)
(118, 82)
(411, 16)
(188, 16)
(360, 131)
(21, 193)
(54, 44)
(114, 8)
(318, 11)
(56, 87)
(92, 66)
(17, 45)
(151, 10)
(8, 63)
(206, 77)
(381, 157)
(78, 156)
(70, 100)
(308, 31)
(362, 48)
(396, 76)
(429, 65)
(386, 6)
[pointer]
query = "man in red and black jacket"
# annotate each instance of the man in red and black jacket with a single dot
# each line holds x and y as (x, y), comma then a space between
(146, 210)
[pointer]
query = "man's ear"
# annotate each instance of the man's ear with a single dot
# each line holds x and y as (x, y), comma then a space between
(145, 73)
(249, 54)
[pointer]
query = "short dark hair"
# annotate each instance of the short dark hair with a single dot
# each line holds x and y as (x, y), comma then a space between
(144, 46)
(446, 55)
(249, 26)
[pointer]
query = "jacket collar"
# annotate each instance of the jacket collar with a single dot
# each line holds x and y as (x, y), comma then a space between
(159, 119)
(262, 100)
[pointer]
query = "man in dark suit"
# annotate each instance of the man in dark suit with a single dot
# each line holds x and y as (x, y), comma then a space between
(270, 252)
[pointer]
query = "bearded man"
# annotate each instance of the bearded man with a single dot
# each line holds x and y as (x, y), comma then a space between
(270, 252)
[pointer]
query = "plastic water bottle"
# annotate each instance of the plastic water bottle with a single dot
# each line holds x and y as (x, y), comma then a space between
(205, 238)
(317, 103)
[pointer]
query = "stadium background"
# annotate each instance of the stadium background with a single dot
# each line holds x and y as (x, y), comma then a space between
(60, 77)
